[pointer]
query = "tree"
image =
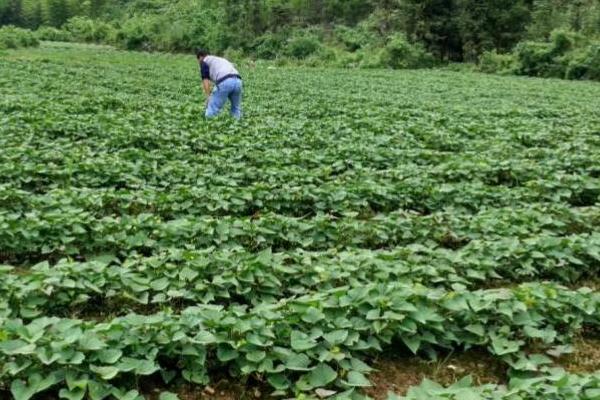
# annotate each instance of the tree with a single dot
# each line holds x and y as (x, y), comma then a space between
(33, 14)
(11, 12)
(58, 12)
(434, 23)
(487, 25)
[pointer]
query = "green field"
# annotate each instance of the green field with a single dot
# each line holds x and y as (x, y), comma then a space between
(351, 219)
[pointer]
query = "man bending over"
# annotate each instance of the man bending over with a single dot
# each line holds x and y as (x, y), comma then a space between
(227, 84)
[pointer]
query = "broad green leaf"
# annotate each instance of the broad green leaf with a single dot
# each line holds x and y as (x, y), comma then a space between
(168, 396)
(356, 379)
(226, 353)
(321, 376)
(72, 394)
(301, 342)
(336, 337)
(297, 362)
(256, 356)
(106, 372)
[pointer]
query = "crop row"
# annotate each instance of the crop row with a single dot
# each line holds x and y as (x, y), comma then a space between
(75, 117)
(178, 278)
(364, 194)
(41, 164)
(300, 344)
(299, 193)
(73, 231)
(555, 384)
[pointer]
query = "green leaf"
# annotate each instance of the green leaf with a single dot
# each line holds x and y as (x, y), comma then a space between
(226, 353)
(75, 381)
(21, 391)
(356, 379)
(35, 384)
(98, 390)
(160, 284)
(72, 394)
(279, 381)
(336, 337)
(91, 342)
(301, 342)
(256, 356)
(297, 362)
(412, 342)
(477, 329)
(168, 396)
(15, 347)
(109, 356)
(313, 315)
(321, 376)
(106, 373)
(131, 395)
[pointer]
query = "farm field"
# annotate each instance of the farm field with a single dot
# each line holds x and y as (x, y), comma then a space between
(355, 226)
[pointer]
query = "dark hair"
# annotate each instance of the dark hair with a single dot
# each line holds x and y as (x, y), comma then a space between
(201, 53)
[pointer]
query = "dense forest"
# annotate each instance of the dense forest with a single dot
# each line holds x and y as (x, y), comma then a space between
(366, 33)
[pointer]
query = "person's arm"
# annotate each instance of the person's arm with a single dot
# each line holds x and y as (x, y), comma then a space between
(206, 84)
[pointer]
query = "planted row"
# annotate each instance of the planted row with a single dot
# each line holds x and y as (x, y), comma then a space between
(296, 344)
(72, 231)
(180, 278)
(363, 194)
(105, 160)
(555, 384)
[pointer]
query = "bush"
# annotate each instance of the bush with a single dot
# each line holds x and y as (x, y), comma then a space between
(354, 39)
(564, 41)
(268, 46)
(399, 53)
(190, 28)
(535, 58)
(138, 33)
(301, 47)
(12, 38)
(234, 55)
(493, 63)
(53, 34)
(88, 30)
(585, 64)
(550, 60)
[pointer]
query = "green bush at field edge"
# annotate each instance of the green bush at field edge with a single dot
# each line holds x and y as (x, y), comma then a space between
(12, 37)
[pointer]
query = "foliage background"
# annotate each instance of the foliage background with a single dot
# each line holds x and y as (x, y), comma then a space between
(342, 33)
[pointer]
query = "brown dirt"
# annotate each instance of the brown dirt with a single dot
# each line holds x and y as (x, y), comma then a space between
(223, 389)
(585, 359)
(397, 375)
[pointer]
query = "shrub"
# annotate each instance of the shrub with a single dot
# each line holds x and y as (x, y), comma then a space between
(492, 62)
(138, 33)
(564, 41)
(345, 59)
(585, 64)
(537, 59)
(301, 47)
(399, 53)
(234, 55)
(549, 60)
(354, 39)
(12, 38)
(190, 28)
(268, 46)
(88, 30)
(53, 34)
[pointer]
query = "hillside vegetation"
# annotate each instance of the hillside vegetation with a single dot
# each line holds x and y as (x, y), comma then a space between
(506, 36)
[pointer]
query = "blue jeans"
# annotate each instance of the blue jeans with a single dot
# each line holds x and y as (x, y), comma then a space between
(228, 89)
